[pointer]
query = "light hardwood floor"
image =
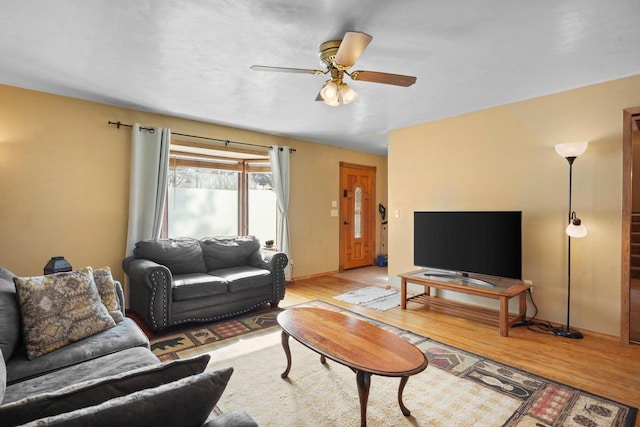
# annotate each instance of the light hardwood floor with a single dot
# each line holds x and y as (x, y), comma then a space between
(597, 363)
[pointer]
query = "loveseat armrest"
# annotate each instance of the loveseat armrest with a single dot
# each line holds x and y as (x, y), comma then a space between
(275, 262)
(150, 287)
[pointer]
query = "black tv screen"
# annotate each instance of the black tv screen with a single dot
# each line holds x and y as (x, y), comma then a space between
(482, 242)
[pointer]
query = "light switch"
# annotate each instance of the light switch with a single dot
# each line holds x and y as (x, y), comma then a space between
(334, 212)
(396, 213)
(334, 204)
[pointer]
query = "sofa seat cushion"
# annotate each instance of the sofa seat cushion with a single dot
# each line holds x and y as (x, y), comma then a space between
(125, 334)
(244, 278)
(101, 367)
(180, 256)
(94, 392)
(185, 402)
(190, 286)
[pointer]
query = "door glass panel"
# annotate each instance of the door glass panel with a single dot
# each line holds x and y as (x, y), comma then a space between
(357, 214)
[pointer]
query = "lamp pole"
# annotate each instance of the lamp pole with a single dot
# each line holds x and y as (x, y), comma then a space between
(566, 331)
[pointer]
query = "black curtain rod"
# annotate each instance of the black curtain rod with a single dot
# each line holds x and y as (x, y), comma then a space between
(226, 141)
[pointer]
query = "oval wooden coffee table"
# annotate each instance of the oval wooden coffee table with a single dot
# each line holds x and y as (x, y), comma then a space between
(365, 348)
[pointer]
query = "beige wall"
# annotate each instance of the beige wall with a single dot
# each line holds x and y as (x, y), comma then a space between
(64, 177)
(503, 158)
(315, 183)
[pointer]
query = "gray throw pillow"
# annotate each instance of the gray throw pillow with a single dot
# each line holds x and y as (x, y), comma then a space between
(228, 252)
(180, 256)
(9, 314)
(186, 402)
(96, 392)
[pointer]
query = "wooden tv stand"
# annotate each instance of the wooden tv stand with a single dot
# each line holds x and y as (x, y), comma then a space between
(503, 290)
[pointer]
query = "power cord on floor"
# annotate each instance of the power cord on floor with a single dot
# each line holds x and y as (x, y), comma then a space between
(532, 324)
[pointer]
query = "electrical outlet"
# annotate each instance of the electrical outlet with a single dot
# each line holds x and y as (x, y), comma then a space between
(529, 282)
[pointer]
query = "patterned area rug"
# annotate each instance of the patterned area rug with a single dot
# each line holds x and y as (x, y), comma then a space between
(458, 388)
(169, 345)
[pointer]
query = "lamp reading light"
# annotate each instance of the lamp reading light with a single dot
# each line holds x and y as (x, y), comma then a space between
(575, 227)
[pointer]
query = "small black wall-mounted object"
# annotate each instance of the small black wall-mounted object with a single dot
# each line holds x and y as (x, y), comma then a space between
(383, 212)
(57, 264)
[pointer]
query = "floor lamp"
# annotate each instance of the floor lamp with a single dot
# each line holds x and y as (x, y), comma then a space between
(571, 151)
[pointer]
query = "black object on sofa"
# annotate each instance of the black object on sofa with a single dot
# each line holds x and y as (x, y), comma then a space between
(174, 281)
(110, 378)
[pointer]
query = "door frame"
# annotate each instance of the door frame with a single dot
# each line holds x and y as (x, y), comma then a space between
(372, 220)
(627, 208)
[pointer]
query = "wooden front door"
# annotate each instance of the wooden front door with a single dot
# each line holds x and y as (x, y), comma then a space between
(357, 215)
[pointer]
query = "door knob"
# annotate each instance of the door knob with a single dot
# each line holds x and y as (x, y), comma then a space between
(345, 223)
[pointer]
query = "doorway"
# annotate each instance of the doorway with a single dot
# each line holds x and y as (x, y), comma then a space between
(630, 271)
(357, 215)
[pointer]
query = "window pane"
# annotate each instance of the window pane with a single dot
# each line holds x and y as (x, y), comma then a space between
(262, 207)
(202, 202)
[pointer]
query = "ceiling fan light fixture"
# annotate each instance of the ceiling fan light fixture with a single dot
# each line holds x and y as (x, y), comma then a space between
(329, 91)
(334, 102)
(348, 94)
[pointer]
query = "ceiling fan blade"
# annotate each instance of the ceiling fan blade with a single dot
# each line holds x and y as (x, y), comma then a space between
(351, 47)
(386, 78)
(286, 70)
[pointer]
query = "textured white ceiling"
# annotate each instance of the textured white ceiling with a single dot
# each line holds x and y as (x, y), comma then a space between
(191, 58)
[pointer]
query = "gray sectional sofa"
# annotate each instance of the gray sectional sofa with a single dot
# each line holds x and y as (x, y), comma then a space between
(174, 281)
(106, 379)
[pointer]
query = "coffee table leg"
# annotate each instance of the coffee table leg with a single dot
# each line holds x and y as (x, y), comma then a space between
(363, 379)
(287, 352)
(403, 382)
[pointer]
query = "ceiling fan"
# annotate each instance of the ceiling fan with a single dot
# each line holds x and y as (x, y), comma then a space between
(339, 56)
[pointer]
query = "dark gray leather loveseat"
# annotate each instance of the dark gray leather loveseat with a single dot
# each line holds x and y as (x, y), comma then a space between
(174, 281)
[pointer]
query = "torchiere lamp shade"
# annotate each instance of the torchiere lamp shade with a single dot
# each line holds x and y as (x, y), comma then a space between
(571, 149)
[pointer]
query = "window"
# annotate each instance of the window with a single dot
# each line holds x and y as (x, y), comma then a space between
(262, 204)
(219, 193)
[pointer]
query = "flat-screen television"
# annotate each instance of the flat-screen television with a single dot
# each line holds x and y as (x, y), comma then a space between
(482, 242)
